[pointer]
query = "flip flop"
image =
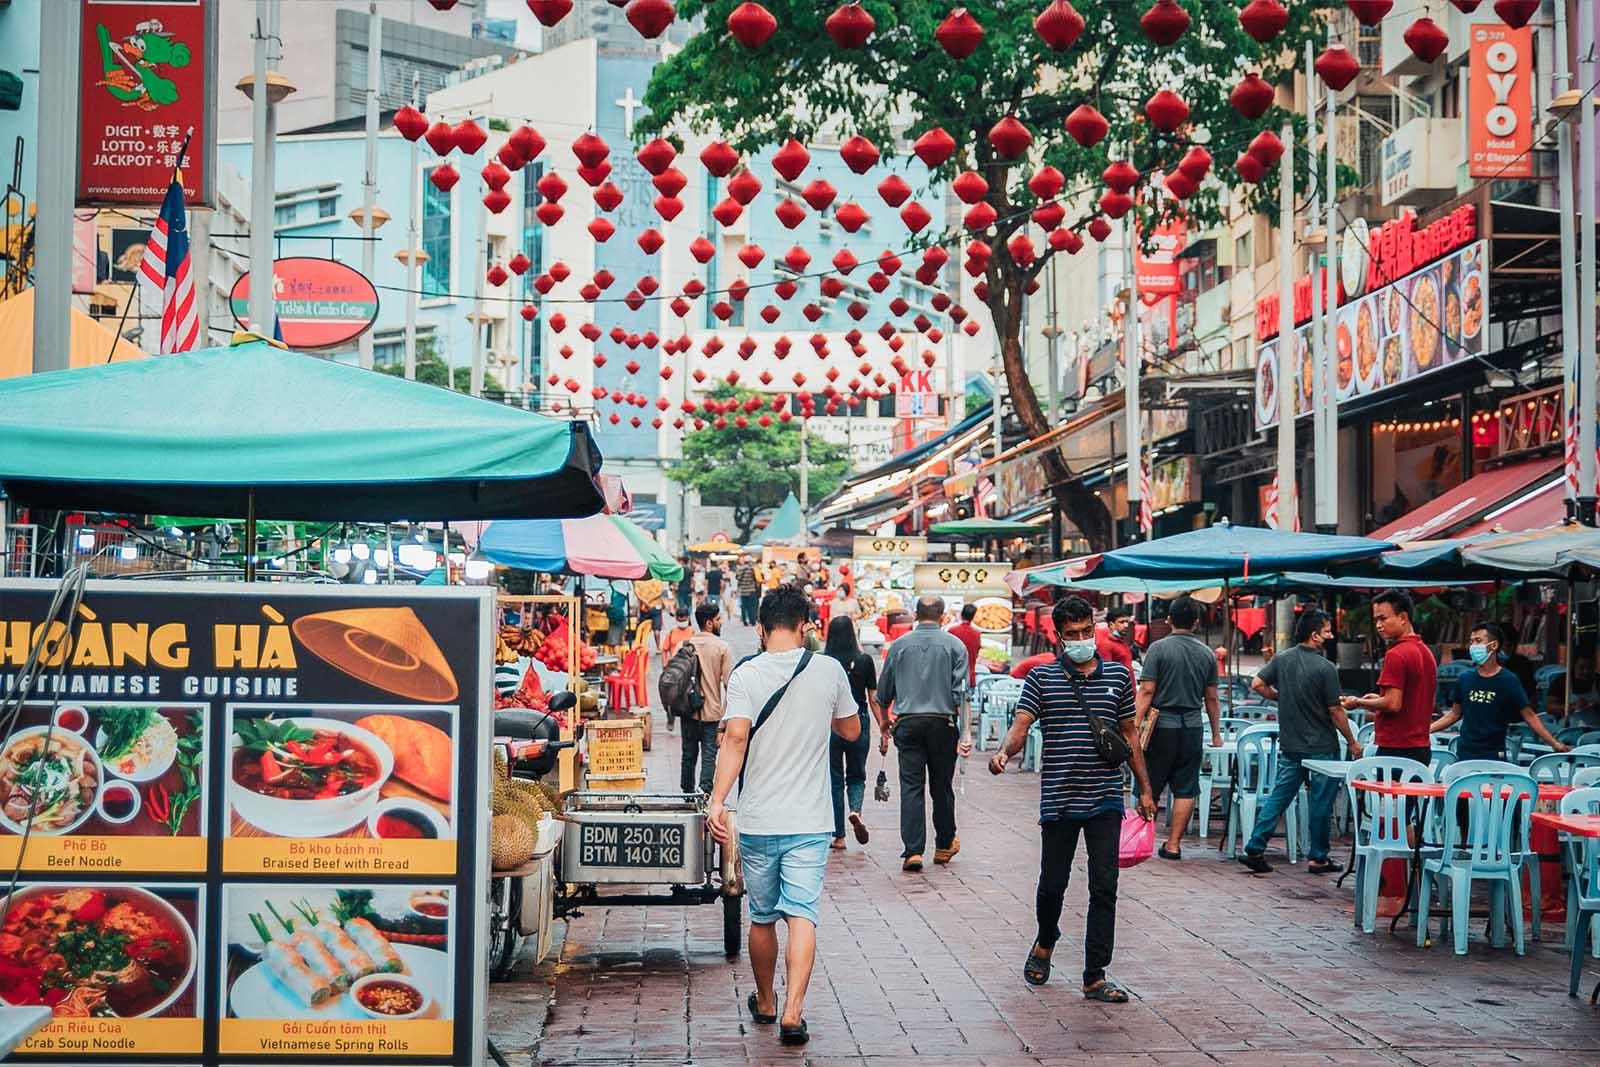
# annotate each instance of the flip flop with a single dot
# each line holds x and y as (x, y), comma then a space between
(755, 1015)
(1106, 991)
(1321, 867)
(794, 1035)
(1164, 854)
(1036, 969)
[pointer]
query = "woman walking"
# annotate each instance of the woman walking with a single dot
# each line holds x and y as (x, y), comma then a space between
(847, 760)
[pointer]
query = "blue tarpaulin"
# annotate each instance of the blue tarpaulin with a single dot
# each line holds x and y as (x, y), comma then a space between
(1228, 551)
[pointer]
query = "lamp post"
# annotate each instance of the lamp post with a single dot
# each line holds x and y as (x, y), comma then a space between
(413, 211)
(59, 26)
(370, 185)
(1132, 358)
(1286, 364)
(1585, 392)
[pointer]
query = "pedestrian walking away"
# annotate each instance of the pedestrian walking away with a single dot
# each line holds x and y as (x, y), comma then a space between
(1490, 699)
(923, 685)
(700, 732)
(714, 582)
(784, 708)
(1306, 688)
(749, 591)
(1177, 688)
(847, 760)
(1080, 793)
(971, 639)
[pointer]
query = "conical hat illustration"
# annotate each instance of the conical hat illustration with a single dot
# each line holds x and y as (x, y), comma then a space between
(385, 647)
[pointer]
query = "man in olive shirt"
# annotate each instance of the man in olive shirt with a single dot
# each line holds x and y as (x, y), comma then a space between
(1179, 679)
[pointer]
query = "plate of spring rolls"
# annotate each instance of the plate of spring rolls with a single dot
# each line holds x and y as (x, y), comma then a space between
(322, 961)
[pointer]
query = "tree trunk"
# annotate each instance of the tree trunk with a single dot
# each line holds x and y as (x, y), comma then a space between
(1077, 503)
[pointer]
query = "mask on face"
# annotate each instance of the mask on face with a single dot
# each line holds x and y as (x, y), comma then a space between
(1479, 654)
(1079, 651)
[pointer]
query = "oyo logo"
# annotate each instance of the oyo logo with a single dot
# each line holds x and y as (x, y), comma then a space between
(1502, 60)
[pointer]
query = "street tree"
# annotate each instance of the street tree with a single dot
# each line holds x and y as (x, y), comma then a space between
(752, 468)
(902, 83)
(431, 370)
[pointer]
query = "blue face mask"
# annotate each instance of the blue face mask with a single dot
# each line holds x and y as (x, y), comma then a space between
(1079, 651)
(1479, 654)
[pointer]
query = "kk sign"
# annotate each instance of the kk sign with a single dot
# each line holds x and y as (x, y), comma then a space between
(917, 395)
(1500, 102)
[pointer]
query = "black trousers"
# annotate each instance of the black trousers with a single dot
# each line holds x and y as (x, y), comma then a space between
(927, 748)
(1102, 835)
(699, 739)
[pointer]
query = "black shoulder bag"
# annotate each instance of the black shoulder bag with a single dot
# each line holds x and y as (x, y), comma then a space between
(767, 709)
(1108, 740)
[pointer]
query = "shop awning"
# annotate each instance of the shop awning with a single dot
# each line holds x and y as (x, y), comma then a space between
(983, 528)
(1542, 506)
(1551, 551)
(1469, 502)
(89, 343)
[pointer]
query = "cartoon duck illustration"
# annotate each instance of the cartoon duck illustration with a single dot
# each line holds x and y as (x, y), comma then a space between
(132, 65)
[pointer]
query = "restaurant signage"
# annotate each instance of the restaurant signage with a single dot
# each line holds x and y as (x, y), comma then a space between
(964, 579)
(320, 303)
(1173, 483)
(269, 804)
(889, 547)
(1500, 102)
(146, 82)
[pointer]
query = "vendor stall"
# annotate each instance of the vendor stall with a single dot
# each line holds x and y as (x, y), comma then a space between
(884, 569)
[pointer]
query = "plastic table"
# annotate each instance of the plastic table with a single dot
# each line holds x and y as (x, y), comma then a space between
(1333, 768)
(19, 1024)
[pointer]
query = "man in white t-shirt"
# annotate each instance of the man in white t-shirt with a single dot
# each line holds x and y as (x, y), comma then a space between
(785, 808)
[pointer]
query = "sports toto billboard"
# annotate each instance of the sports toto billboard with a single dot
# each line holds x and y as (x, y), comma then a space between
(321, 303)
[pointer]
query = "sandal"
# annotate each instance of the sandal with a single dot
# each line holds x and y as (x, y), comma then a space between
(838, 844)
(1037, 968)
(1106, 991)
(1166, 855)
(1321, 867)
(756, 1015)
(794, 1035)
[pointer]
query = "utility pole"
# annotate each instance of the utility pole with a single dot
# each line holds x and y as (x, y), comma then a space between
(262, 179)
(1566, 195)
(369, 186)
(805, 467)
(413, 242)
(1319, 371)
(57, 181)
(479, 266)
(1587, 17)
(1133, 356)
(1286, 364)
(1052, 332)
(1328, 448)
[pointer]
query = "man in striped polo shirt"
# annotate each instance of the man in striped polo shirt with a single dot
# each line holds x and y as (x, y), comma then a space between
(1079, 793)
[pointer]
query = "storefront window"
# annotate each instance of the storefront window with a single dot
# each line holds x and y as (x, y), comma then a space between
(436, 240)
(1412, 462)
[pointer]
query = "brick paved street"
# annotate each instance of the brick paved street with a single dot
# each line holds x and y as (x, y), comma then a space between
(1224, 968)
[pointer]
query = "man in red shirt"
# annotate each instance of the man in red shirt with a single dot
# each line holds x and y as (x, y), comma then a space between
(1111, 640)
(969, 636)
(1403, 706)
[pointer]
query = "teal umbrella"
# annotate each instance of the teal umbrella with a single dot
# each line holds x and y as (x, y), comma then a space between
(787, 526)
(258, 431)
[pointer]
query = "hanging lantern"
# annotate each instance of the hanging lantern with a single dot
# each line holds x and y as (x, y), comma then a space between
(719, 159)
(669, 182)
(1252, 96)
(796, 259)
(656, 156)
(1059, 25)
(497, 275)
(590, 149)
(668, 207)
(850, 25)
(635, 300)
(558, 322)
(1467, 7)
(1336, 67)
(1166, 111)
(727, 211)
(790, 213)
(959, 34)
(1049, 216)
(819, 193)
(444, 177)
(608, 197)
(469, 137)
(894, 190)
(1164, 23)
(915, 216)
(969, 187)
(751, 24)
(979, 216)
(527, 142)
(1515, 13)
(495, 175)
(1249, 168)
(1047, 183)
(859, 154)
(1009, 138)
(790, 160)
(1264, 19)
(1266, 148)
(844, 262)
(1426, 40)
(441, 138)
(1369, 12)
(751, 255)
(650, 17)
(648, 286)
(596, 174)
(551, 186)
(650, 241)
(1099, 228)
(1196, 164)
(600, 229)
(1114, 204)
(544, 283)
(852, 216)
(702, 250)
(411, 123)
(519, 264)
(744, 186)
(510, 157)
(934, 147)
(550, 12)
(560, 271)
(1066, 241)
(1087, 126)
(1120, 176)
(1021, 249)
(549, 214)
(1180, 185)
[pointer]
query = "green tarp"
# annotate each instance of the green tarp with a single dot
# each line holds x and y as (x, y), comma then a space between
(984, 528)
(786, 527)
(202, 432)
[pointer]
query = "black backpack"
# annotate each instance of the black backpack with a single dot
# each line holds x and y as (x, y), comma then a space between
(679, 684)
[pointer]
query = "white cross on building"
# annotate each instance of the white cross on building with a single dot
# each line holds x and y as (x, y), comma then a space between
(629, 104)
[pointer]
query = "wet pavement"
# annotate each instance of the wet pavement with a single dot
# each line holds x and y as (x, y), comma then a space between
(1224, 968)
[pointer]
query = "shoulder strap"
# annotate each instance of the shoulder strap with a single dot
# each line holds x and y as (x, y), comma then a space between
(768, 708)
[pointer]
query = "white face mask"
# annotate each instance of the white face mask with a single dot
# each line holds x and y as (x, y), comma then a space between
(1079, 651)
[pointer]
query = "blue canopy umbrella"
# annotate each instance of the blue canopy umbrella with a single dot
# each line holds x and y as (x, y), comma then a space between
(786, 527)
(1224, 552)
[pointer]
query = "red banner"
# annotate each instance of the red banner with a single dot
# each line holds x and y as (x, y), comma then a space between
(142, 88)
(1500, 114)
(1156, 275)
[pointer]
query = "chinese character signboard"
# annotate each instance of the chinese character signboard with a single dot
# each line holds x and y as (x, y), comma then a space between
(1500, 102)
(147, 80)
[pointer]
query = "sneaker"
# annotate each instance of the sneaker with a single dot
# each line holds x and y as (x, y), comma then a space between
(1256, 862)
(838, 844)
(945, 855)
(912, 863)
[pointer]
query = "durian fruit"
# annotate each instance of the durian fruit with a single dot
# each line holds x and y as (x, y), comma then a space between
(511, 842)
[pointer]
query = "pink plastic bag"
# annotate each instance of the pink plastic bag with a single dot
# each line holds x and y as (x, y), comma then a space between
(1138, 840)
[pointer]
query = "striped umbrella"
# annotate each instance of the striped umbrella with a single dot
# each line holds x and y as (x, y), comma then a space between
(604, 546)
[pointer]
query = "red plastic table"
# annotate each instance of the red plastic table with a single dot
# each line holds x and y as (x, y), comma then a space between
(1577, 825)
(1547, 790)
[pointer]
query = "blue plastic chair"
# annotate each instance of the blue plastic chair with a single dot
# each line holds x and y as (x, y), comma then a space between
(1543, 679)
(1380, 826)
(1365, 732)
(1589, 737)
(1255, 768)
(1583, 890)
(1441, 758)
(1558, 767)
(1033, 748)
(1569, 735)
(1445, 686)
(1583, 779)
(1485, 849)
(994, 718)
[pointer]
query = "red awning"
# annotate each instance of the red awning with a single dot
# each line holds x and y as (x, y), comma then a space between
(1470, 501)
(1542, 506)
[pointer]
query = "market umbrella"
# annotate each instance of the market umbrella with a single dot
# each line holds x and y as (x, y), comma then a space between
(1556, 550)
(604, 546)
(716, 544)
(787, 526)
(255, 430)
(1225, 551)
(983, 528)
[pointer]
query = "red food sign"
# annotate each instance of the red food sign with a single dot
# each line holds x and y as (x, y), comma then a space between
(146, 72)
(321, 303)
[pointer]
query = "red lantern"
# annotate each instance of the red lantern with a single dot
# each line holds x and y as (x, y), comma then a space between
(635, 300)
(1059, 25)
(668, 207)
(650, 17)
(1181, 185)
(1515, 13)
(527, 142)
(844, 262)
(1009, 138)
(1266, 148)
(959, 34)
(852, 216)
(656, 156)
(590, 149)
(1166, 111)
(1066, 241)
(411, 123)
(444, 177)
(441, 138)
(751, 256)
(934, 147)
(744, 186)
(551, 186)
(1164, 23)
(632, 366)
(1047, 183)
(560, 271)
(1264, 19)
(1196, 164)
(894, 190)
(650, 241)
(608, 197)
(751, 24)
(558, 322)
(979, 216)
(1120, 176)
(495, 175)
(719, 159)
(1099, 228)
(889, 263)
(510, 157)
(1049, 216)
(549, 213)
(442, 5)
(469, 137)
(791, 159)
(669, 182)
(969, 186)
(790, 213)
(915, 216)
(519, 264)
(819, 193)
(1426, 40)
(859, 154)
(1021, 249)
(727, 211)
(1467, 7)
(498, 275)
(797, 258)
(1249, 168)
(1087, 126)
(596, 174)
(528, 313)
(1369, 12)
(1252, 96)
(549, 12)
(1115, 205)
(1337, 67)
(702, 250)
(850, 25)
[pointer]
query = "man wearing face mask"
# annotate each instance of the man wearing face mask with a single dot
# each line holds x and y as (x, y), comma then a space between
(1080, 794)
(1488, 700)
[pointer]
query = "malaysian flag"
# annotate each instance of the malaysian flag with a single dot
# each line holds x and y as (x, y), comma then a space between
(166, 266)
(1571, 443)
(983, 499)
(1147, 518)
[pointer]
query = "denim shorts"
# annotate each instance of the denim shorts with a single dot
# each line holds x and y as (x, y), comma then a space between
(783, 874)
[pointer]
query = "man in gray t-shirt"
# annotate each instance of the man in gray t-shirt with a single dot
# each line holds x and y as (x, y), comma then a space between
(1179, 680)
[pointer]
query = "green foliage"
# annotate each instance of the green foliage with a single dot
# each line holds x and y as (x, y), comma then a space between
(431, 370)
(754, 468)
